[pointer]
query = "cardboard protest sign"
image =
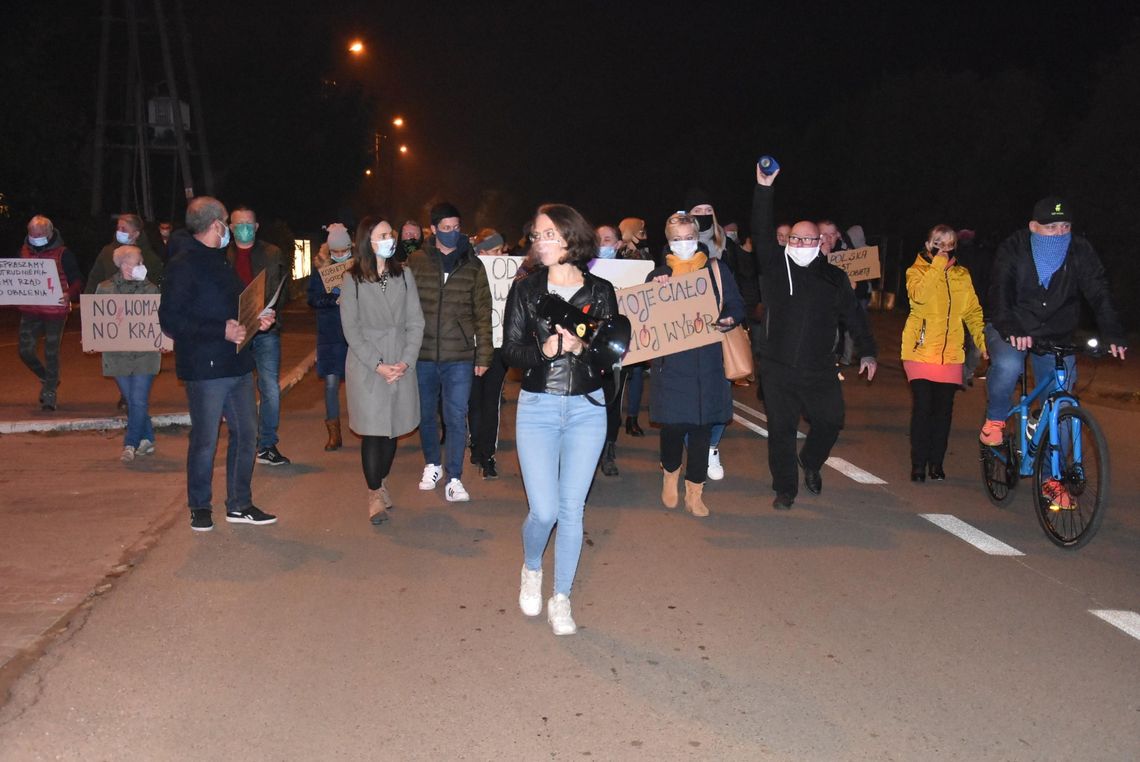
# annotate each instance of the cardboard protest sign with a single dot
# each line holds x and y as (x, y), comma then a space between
(250, 304)
(501, 273)
(622, 273)
(122, 323)
(333, 275)
(29, 281)
(859, 264)
(669, 317)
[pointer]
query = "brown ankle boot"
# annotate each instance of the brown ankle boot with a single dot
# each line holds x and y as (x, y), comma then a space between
(377, 512)
(669, 494)
(693, 502)
(334, 443)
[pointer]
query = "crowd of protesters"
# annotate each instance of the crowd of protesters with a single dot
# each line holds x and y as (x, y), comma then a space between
(408, 331)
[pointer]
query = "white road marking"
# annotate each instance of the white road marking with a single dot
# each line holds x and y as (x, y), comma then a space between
(761, 416)
(972, 535)
(1128, 621)
(750, 425)
(851, 471)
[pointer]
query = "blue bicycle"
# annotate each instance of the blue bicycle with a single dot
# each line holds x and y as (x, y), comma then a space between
(1050, 437)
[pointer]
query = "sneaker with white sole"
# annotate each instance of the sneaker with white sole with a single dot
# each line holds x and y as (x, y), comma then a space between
(128, 454)
(716, 470)
(250, 515)
(146, 447)
(455, 493)
(558, 614)
(431, 477)
(530, 592)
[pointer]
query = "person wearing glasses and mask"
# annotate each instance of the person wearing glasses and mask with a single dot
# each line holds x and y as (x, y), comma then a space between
(1038, 279)
(384, 326)
(561, 421)
(805, 299)
(690, 394)
(942, 299)
(332, 349)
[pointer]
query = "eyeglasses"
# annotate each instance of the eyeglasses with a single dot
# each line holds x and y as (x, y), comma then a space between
(550, 234)
(802, 239)
(681, 219)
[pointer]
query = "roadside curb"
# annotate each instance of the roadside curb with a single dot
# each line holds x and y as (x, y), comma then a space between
(291, 379)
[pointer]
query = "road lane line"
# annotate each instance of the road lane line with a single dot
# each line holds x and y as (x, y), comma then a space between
(1128, 621)
(972, 535)
(750, 425)
(761, 416)
(852, 471)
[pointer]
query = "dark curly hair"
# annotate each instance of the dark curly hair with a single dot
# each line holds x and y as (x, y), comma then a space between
(576, 230)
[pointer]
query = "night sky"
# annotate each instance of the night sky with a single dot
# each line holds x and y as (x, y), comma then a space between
(614, 107)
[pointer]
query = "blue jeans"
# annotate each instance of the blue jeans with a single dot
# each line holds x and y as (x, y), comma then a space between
(136, 391)
(716, 432)
(209, 401)
(332, 396)
(1006, 366)
(452, 381)
(267, 354)
(558, 440)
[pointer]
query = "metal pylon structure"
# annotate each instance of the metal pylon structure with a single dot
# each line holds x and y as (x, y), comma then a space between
(150, 120)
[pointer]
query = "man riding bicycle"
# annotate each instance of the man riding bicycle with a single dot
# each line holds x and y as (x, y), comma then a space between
(1038, 278)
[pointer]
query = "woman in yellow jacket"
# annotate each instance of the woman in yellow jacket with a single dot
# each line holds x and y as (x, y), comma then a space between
(942, 299)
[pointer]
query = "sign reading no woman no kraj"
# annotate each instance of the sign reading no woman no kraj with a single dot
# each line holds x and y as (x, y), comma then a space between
(122, 323)
(669, 317)
(29, 281)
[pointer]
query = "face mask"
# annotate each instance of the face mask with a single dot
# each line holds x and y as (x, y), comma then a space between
(685, 250)
(606, 252)
(384, 249)
(732, 235)
(704, 221)
(122, 237)
(37, 240)
(802, 255)
(138, 272)
(449, 238)
(225, 238)
(411, 244)
(341, 257)
(244, 232)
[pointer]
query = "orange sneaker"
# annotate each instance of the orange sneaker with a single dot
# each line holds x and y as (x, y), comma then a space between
(1058, 496)
(991, 432)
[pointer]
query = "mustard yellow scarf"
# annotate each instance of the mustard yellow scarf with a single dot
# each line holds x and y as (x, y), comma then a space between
(686, 266)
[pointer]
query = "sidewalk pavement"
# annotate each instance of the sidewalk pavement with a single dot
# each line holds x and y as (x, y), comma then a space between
(74, 518)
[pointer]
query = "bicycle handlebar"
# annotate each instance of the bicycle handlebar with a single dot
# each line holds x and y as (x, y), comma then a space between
(1046, 347)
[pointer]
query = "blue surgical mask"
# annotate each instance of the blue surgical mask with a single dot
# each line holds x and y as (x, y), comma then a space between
(606, 252)
(338, 258)
(123, 237)
(38, 240)
(225, 237)
(449, 238)
(384, 249)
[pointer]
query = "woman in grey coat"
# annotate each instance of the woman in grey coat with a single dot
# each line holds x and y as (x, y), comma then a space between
(134, 372)
(384, 326)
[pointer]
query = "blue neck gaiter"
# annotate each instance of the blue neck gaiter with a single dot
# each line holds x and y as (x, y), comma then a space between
(1049, 254)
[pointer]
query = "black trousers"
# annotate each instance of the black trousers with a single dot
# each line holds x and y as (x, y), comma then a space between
(376, 455)
(614, 395)
(930, 415)
(790, 393)
(673, 448)
(483, 408)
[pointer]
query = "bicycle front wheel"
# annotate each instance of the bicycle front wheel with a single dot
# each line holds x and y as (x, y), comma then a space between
(1000, 465)
(1071, 480)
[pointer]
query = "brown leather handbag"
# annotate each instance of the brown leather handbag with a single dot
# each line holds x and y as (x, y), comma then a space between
(736, 348)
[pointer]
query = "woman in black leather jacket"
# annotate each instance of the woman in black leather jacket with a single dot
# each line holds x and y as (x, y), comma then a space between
(561, 420)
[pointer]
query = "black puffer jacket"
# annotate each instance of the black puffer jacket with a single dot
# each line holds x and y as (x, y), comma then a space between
(524, 333)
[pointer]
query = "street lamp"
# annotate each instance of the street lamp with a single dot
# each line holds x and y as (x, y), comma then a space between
(403, 149)
(398, 121)
(356, 47)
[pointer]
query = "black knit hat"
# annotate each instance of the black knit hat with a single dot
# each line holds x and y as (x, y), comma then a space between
(442, 211)
(1051, 209)
(695, 197)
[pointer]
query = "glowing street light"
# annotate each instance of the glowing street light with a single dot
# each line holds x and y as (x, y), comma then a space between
(356, 47)
(403, 149)
(398, 121)
(368, 172)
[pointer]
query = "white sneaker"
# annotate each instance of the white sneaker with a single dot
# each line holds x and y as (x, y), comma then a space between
(146, 447)
(128, 454)
(530, 592)
(558, 614)
(454, 492)
(716, 470)
(431, 477)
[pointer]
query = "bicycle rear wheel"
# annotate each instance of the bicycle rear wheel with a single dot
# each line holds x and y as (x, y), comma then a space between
(1072, 499)
(1000, 466)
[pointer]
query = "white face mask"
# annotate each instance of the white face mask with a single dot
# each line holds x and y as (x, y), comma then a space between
(684, 250)
(123, 237)
(138, 272)
(384, 249)
(802, 255)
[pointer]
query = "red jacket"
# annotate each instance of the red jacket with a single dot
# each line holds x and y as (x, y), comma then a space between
(70, 281)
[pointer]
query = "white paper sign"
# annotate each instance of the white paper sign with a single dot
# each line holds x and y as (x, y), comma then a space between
(623, 273)
(29, 281)
(500, 274)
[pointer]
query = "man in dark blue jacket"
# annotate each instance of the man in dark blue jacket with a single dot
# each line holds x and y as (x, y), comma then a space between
(199, 310)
